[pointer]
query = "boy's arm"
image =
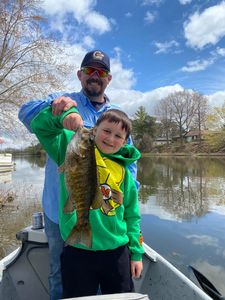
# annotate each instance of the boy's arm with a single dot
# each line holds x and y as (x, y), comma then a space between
(132, 217)
(50, 131)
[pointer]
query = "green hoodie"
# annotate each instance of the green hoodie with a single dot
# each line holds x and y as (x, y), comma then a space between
(108, 231)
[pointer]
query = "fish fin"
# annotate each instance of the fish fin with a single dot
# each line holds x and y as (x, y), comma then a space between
(98, 199)
(69, 207)
(81, 236)
(61, 168)
(106, 207)
(117, 196)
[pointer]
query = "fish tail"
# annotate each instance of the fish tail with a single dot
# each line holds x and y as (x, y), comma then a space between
(80, 235)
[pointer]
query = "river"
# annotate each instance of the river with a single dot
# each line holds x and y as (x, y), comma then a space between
(182, 202)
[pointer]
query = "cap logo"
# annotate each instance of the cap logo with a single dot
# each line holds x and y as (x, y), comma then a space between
(98, 55)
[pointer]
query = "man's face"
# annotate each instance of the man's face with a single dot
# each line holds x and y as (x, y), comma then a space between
(94, 85)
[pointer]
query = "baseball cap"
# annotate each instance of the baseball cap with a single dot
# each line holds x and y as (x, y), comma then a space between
(96, 56)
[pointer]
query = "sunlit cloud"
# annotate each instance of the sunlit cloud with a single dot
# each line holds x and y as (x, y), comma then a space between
(197, 65)
(207, 27)
(82, 11)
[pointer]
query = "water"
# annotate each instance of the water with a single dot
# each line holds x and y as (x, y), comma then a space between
(182, 201)
(183, 212)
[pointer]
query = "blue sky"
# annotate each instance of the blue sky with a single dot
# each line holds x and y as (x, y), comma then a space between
(156, 46)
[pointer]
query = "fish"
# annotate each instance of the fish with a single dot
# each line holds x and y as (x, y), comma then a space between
(81, 179)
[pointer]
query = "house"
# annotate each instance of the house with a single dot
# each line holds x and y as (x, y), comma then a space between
(193, 135)
(161, 141)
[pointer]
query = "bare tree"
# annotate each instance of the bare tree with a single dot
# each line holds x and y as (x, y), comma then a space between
(201, 112)
(28, 60)
(183, 109)
(164, 112)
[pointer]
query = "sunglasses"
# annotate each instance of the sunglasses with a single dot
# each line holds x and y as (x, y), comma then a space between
(90, 70)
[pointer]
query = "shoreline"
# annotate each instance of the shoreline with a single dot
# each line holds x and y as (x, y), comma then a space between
(183, 154)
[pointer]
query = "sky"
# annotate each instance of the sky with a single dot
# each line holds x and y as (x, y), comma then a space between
(156, 46)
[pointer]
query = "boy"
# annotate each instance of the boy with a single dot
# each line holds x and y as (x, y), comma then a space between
(116, 251)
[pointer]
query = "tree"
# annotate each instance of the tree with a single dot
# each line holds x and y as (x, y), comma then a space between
(215, 138)
(181, 108)
(28, 61)
(144, 129)
(201, 111)
(167, 126)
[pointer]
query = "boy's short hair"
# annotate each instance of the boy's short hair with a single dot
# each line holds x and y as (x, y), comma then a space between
(116, 116)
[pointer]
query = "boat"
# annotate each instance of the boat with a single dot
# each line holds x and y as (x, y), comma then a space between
(6, 162)
(24, 275)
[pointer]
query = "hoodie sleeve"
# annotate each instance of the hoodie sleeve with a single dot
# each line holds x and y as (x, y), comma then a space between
(51, 134)
(132, 217)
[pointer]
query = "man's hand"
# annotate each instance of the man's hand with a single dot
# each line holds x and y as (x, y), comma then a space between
(136, 268)
(62, 104)
(72, 121)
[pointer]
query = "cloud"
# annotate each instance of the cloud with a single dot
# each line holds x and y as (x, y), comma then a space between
(217, 99)
(88, 42)
(82, 11)
(151, 2)
(130, 100)
(197, 65)
(166, 46)
(149, 17)
(207, 27)
(184, 2)
(128, 15)
(220, 51)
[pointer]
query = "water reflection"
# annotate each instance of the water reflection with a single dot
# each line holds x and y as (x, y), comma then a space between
(183, 206)
(196, 185)
(25, 183)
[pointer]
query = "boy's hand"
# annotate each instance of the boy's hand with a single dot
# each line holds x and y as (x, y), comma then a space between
(136, 268)
(72, 121)
(62, 104)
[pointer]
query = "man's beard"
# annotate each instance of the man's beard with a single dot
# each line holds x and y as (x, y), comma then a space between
(90, 91)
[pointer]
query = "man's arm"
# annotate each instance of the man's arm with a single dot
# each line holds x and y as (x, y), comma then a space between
(133, 167)
(31, 109)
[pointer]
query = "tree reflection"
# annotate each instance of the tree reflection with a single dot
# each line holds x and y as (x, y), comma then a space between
(34, 160)
(183, 186)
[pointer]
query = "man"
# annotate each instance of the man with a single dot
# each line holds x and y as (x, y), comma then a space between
(91, 102)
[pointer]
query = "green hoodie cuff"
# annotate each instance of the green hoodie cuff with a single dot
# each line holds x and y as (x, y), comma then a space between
(64, 114)
(136, 256)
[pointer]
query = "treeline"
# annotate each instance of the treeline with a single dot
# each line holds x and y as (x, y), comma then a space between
(176, 115)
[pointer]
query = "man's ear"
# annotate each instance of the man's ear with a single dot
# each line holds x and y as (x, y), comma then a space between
(79, 74)
(109, 78)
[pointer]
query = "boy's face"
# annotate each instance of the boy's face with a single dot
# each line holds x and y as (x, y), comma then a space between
(109, 136)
